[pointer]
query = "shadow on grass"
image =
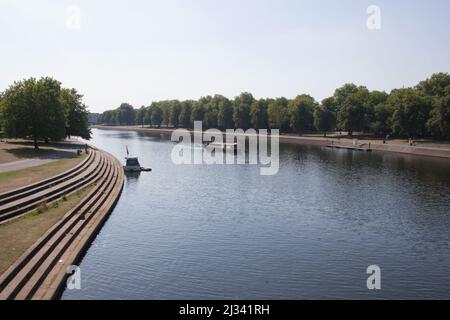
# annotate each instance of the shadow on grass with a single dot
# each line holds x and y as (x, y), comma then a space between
(30, 153)
(42, 144)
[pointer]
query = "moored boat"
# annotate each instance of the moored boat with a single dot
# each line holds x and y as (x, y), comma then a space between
(132, 164)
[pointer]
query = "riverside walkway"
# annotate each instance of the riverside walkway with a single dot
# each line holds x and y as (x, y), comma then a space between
(40, 272)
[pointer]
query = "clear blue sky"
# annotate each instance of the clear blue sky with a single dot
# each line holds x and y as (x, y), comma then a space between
(141, 51)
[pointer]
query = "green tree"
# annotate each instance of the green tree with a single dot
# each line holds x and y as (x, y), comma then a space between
(300, 112)
(156, 115)
(126, 114)
(352, 108)
(197, 113)
(224, 112)
(439, 122)
(376, 97)
(381, 125)
(109, 117)
(185, 114)
(277, 114)
(435, 86)
(411, 111)
(241, 110)
(436, 90)
(210, 118)
(207, 111)
(165, 108)
(352, 114)
(77, 123)
(148, 116)
(330, 104)
(33, 108)
(324, 118)
(341, 94)
(174, 115)
(2, 115)
(258, 114)
(140, 115)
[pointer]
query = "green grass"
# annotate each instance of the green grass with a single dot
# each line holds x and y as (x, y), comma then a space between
(53, 164)
(18, 235)
(15, 179)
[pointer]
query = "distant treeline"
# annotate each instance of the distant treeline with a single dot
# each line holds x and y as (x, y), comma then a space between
(421, 111)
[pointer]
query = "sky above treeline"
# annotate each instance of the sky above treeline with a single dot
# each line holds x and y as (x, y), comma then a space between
(143, 51)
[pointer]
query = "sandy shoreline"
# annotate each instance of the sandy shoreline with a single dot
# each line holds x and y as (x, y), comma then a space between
(439, 151)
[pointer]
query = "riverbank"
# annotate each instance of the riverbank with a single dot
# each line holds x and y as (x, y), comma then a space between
(213, 232)
(422, 148)
(21, 164)
(62, 216)
(14, 241)
(14, 152)
(15, 179)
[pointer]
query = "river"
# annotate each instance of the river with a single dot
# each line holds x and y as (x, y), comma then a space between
(311, 231)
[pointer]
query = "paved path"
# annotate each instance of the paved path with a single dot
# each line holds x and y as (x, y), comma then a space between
(33, 162)
(23, 164)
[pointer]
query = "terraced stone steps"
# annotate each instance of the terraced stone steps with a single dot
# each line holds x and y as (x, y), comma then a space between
(20, 202)
(40, 272)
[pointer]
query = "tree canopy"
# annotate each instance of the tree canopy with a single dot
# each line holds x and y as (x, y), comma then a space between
(277, 114)
(324, 117)
(420, 111)
(353, 110)
(77, 114)
(411, 112)
(300, 112)
(43, 110)
(241, 110)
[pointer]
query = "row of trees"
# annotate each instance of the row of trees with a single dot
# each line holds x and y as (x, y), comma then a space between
(43, 110)
(421, 111)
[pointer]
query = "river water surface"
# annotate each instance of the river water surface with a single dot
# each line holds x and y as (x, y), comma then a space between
(311, 231)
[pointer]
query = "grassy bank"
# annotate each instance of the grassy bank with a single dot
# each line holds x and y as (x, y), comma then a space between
(17, 149)
(15, 179)
(19, 153)
(18, 235)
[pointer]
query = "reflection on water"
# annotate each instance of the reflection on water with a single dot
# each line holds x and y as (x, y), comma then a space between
(192, 232)
(132, 176)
